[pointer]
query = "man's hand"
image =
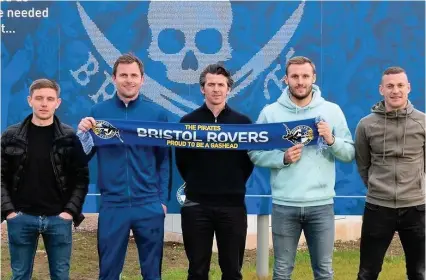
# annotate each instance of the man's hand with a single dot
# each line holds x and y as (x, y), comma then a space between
(65, 216)
(11, 215)
(324, 130)
(293, 154)
(164, 208)
(86, 124)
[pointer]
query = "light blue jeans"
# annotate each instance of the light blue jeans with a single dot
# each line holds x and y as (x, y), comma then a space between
(317, 223)
(24, 231)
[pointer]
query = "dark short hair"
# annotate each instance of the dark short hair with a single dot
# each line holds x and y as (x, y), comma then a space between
(45, 83)
(299, 60)
(127, 58)
(393, 70)
(218, 70)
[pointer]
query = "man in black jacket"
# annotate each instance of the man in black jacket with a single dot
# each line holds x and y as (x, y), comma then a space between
(44, 181)
(215, 186)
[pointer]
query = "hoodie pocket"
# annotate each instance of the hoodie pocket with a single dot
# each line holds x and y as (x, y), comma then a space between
(410, 181)
(381, 181)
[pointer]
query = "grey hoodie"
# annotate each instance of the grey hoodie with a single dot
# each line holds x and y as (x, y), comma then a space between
(390, 155)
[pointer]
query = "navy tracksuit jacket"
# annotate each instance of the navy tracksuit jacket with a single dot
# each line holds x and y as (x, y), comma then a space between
(134, 181)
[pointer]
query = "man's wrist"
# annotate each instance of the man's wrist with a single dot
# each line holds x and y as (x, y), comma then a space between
(286, 163)
(68, 212)
(333, 140)
(9, 212)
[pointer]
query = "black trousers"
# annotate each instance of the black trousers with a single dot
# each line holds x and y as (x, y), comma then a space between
(378, 228)
(199, 224)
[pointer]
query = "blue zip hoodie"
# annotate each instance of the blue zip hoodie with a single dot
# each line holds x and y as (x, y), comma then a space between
(310, 181)
(132, 174)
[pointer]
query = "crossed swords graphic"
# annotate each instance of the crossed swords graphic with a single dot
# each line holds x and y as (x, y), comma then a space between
(243, 77)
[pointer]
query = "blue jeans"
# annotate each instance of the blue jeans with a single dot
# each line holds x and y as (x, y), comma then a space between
(317, 223)
(23, 233)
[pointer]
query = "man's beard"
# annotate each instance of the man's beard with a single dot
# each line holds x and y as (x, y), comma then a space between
(301, 97)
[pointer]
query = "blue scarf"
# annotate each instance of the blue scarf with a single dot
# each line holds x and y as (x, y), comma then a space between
(205, 136)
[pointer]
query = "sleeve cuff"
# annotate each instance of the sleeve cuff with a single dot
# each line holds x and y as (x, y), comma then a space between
(283, 161)
(69, 212)
(334, 141)
(86, 141)
(337, 143)
(163, 201)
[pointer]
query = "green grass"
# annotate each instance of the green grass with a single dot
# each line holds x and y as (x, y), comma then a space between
(345, 265)
(84, 264)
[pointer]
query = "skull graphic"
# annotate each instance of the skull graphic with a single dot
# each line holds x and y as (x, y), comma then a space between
(187, 36)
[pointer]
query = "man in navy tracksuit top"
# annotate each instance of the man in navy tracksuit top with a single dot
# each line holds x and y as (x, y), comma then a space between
(133, 179)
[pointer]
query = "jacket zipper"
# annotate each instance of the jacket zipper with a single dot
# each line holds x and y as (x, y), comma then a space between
(396, 162)
(127, 170)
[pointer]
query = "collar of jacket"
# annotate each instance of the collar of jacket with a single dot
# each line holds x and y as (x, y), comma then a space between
(380, 108)
(225, 110)
(131, 103)
(22, 131)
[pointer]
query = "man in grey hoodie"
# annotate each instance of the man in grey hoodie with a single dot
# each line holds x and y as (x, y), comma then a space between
(390, 155)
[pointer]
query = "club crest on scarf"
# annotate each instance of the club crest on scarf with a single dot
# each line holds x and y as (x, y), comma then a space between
(105, 130)
(301, 134)
(180, 194)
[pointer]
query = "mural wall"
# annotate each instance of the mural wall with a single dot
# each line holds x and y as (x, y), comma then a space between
(351, 44)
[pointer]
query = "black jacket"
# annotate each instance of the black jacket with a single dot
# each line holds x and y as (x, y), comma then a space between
(214, 177)
(68, 160)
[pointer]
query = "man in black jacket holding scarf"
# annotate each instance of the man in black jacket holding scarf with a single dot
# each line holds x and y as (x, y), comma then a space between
(44, 182)
(215, 186)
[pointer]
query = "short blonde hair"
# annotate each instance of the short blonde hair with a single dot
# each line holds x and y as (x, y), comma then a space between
(299, 60)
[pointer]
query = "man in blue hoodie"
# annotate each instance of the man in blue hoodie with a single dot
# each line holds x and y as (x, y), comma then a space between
(303, 178)
(133, 180)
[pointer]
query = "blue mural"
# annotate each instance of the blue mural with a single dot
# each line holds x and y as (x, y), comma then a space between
(351, 44)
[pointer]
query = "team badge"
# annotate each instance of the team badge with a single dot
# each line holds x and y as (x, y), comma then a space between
(301, 134)
(180, 194)
(105, 130)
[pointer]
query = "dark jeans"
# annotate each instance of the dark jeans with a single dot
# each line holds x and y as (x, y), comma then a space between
(23, 233)
(378, 228)
(199, 223)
